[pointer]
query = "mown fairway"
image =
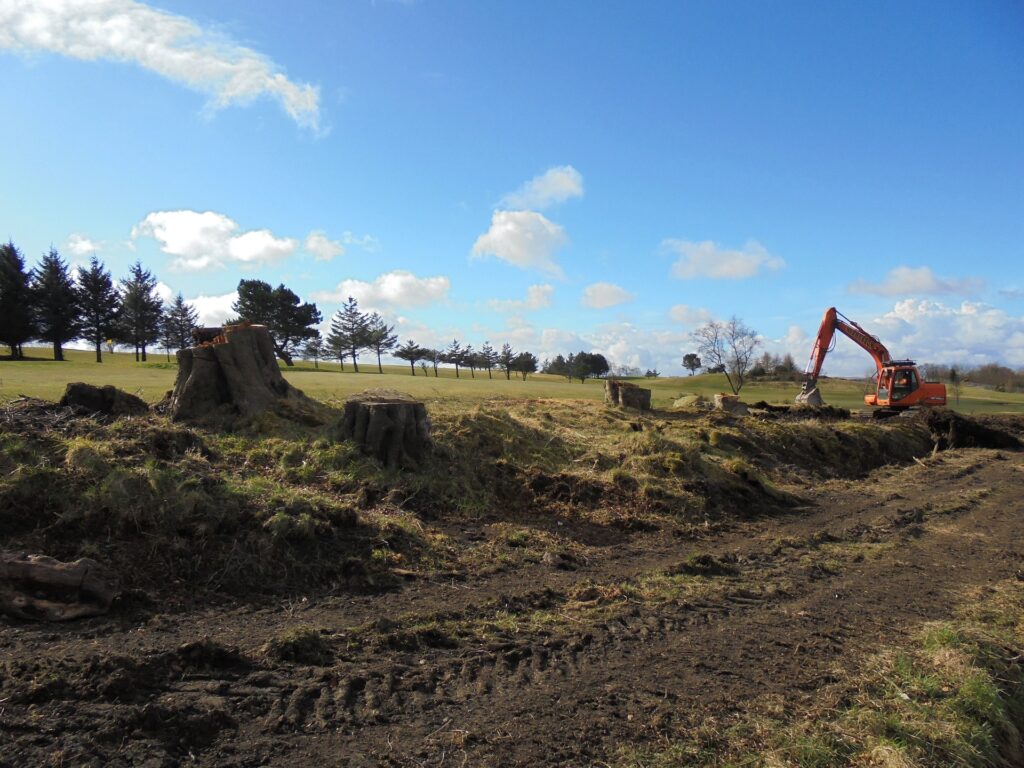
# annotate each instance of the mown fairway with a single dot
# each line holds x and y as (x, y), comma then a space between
(40, 376)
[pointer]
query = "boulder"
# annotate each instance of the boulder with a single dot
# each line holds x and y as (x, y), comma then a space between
(690, 401)
(730, 404)
(107, 400)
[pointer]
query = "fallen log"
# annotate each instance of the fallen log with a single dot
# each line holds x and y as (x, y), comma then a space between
(41, 588)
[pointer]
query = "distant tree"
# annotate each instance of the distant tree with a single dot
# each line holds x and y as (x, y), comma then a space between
(470, 359)
(505, 359)
(180, 319)
(380, 337)
(141, 318)
(411, 353)
(435, 357)
(488, 358)
(289, 320)
(729, 345)
(314, 348)
(786, 366)
(691, 362)
(559, 366)
(454, 355)
(16, 320)
(423, 367)
(588, 364)
(954, 383)
(524, 364)
(350, 332)
(100, 304)
(55, 303)
(652, 373)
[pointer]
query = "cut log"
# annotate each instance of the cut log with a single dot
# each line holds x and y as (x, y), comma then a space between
(390, 426)
(37, 587)
(107, 400)
(236, 375)
(627, 395)
(730, 404)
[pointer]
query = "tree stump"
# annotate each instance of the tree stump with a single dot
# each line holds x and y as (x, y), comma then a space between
(38, 587)
(627, 395)
(390, 426)
(236, 374)
(730, 404)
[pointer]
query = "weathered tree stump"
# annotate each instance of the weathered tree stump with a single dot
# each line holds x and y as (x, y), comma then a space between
(627, 395)
(390, 426)
(38, 587)
(237, 374)
(106, 400)
(730, 404)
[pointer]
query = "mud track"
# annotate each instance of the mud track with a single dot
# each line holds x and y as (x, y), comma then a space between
(540, 666)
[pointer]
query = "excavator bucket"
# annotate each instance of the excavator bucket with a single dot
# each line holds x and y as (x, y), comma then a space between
(810, 395)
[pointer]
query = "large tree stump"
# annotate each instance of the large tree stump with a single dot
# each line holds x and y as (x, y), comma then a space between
(38, 587)
(237, 374)
(390, 426)
(627, 395)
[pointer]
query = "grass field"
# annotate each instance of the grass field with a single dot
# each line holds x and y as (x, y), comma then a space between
(41, 376)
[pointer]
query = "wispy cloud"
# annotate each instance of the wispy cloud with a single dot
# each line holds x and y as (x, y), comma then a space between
(537, 297)
(708, 259)
(556, 185)
(398, 288)
(906, 281)
(173, 46)
(604, 295)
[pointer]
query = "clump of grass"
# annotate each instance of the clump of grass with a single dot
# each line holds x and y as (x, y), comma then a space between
(86, 457)
(302, 645)
(520, 538)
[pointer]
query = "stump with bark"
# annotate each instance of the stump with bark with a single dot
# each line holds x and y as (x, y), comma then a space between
(390, 426)
(627, 395)
(37, 587)
(235, 375)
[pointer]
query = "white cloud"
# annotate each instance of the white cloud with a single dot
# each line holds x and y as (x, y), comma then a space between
(687, 315)
(525, 239)
(391, 289)
(214, 310)
(164, 291)
(708, 259)
(902, 281)
(173, 46)
(366, 242)
(537, 297)
(208, 240)
(604, 295)
(555, 185)
(323, 248)
(80, 245)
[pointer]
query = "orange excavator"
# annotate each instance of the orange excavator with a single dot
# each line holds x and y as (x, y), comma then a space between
(898, 385)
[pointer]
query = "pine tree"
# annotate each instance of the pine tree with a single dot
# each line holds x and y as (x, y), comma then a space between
(488, 358)
(380, 337)
(55, 305)
(411, 352)
(140, 321)
(100, 304)
(454, 355)
(289, 321)
(180, 319)
(505, 360)
(16, 320)
(349, 332)
(314, 348)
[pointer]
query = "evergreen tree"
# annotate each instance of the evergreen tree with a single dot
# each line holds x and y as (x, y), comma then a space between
(411, 352)
(488, 358)
(55, 305)
(314, 348)
(470, 360)
(505, 360)
(525, 363)
(453, 355)
(380, 337)
(289, 321)
(141, 320)
(691, 362)
(179, 321)
(16, 320)
(100, 304)
(349, 332)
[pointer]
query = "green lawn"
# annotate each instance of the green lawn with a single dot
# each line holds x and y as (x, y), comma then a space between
(41, 376)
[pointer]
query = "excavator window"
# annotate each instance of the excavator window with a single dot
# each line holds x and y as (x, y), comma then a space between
(904, 383)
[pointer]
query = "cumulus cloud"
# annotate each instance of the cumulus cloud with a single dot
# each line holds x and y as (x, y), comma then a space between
(80, 245)
(391, 289)
(556, 185)
(525, 239)
(173, 46)
(322, 247)
(687, 315)
(214, 310)
(537, 297)
(604, 295)
(208, 240)
(708, 259)
(902, 281)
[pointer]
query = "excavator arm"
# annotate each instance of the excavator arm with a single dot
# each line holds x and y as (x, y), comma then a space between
(834, 321)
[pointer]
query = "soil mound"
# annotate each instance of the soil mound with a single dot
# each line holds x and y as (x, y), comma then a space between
(108, 400)
(951, 430)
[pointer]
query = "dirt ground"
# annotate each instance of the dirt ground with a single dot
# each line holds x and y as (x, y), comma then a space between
(640, 640)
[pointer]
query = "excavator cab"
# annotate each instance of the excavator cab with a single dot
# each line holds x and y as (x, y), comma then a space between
(900, 386)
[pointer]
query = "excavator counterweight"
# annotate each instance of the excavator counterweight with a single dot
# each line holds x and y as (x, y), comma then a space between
(898, 385)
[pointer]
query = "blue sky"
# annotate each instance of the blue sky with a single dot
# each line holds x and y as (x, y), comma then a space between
(558, 175)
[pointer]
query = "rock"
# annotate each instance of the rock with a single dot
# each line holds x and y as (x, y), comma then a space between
(38, 587)
(690, 401)
(107, 400)
(627, 395)
(236, 374)
(391, 426)
(730, 404)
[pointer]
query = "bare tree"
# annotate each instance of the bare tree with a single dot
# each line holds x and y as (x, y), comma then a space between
(729, 346)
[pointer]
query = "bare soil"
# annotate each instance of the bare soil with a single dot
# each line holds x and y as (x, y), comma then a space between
(637, 638)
